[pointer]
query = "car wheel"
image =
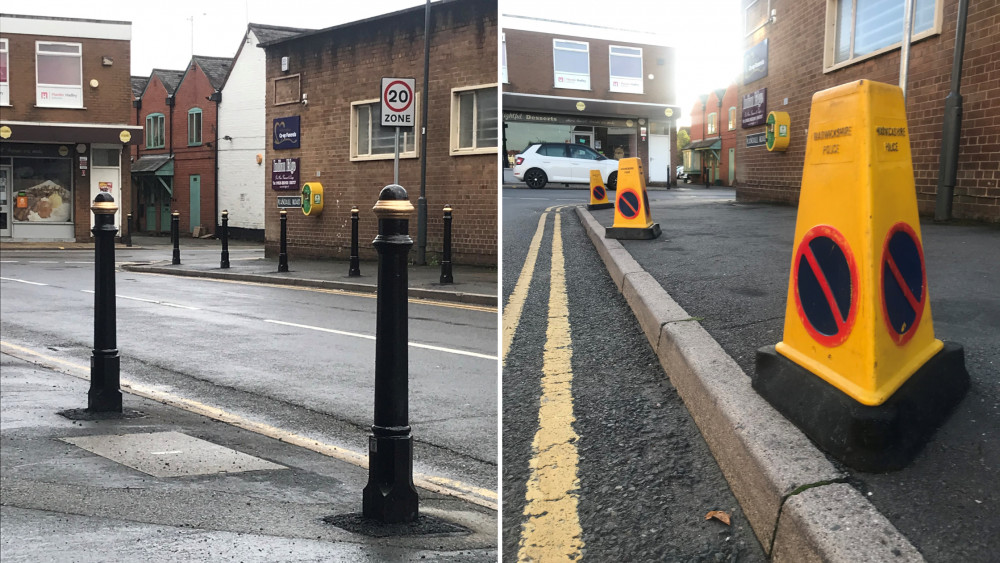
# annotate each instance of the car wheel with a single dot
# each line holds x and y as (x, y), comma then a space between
(613, 181)
(535, 178)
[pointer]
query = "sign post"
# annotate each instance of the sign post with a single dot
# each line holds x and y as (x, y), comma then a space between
(398, 110)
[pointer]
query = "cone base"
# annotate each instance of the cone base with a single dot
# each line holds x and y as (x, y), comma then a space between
(605, 205)
(875, 439)
(633, 233)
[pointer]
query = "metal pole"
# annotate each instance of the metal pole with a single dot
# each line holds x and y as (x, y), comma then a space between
(395, 161)
(904, 58)
(224, 263)
(105, 368)
(283, 250)
(952, 127)
(128, 241)
(355, 268)
(446, 258)
(422, 200)
(390, 496)
(175, 236)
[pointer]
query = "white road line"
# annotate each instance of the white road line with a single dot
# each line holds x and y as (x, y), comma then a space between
(153, 301)
(370, 337)
(22, 281)
(42, 262)
(80, 262)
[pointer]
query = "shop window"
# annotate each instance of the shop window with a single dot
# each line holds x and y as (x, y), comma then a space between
(154, 131)
(45, 184)
(4, 74)
(503, 56)
(194, 126)
(474, 120)
(865, 28)
(732, 118)
(571, 64)
(58, 75)
(625, 68)
(712, 123)
(372, 141)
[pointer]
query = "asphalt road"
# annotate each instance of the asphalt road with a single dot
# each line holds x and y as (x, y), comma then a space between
(646, 479)
(299, 359)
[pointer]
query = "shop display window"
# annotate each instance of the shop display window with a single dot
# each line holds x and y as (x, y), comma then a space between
(43, 190)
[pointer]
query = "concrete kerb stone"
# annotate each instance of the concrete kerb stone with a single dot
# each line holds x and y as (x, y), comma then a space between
(810, 531)
(765, 458)
(616, 259)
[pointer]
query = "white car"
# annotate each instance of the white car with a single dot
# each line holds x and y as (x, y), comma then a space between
(564, 163)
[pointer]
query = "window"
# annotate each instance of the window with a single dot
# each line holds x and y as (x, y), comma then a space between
(732, 118)
(865, 28)
(194, 126)
(371, 141)
(474, 120)
(58, 75)
(154, 131)
(106, 157)
(712, 123)
(625, 68)
(48, 185)
(4, 74)
(503, 56)
(571, 64)
(552, 150)
(755, 15)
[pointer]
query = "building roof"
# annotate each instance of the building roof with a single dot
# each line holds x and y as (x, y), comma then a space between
(170, 78)
(139, 85)
(215, 68)
(266, 33)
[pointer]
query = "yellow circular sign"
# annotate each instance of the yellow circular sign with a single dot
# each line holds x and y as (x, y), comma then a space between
(668, 112)
(5, 132)
(629, 123)
(581, 106)
(63, 150)
(125, 136)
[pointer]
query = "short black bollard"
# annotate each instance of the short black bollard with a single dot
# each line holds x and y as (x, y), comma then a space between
(446, 257)
(175, 235)
(105, 366)
(128, 241)
(390, 497)
(283, 250)
(355, 270)
(224, 263)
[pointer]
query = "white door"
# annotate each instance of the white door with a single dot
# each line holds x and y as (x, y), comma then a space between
(659, 158)
(106, 179)
(6, 200)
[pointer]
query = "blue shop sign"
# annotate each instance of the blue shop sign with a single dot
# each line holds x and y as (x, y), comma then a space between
(755, 62)
(285, 133)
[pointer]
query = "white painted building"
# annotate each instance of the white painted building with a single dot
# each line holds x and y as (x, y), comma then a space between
(243, 134)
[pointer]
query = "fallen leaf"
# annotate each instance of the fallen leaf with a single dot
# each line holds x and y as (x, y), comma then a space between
(718, 515)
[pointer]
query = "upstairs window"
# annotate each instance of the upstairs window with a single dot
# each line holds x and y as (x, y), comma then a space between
(194, 126)
(712, 123)
(864, 28)
(625, 68)
(154, 131)
(59, 75)
(732, 118)
(503, 57)
(4, 74)
(474, 120)
(571, 64)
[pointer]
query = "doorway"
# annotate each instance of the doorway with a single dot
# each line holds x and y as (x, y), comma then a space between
(195, 192)
(6, 197)
(659, 158)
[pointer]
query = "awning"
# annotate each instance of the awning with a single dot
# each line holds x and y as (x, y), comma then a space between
(158, 164)
(705, 145)
(587, 106)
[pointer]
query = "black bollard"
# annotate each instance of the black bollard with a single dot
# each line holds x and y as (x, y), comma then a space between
(224, 263)
(446, 257)
(175, 235)
(355, 270)
(390, 496)
(128, 241)
(105, 366)
(283, 250)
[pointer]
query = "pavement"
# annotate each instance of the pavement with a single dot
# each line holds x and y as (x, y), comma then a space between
(711, 290)
(176, 479)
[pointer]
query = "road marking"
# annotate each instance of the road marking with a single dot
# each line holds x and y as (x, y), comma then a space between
(153, 301)
(79, 262)
(512, 312)
(166, 453)
(442, 485)
(22, 281)
(370, 337)
(552, 531)
(42, 262)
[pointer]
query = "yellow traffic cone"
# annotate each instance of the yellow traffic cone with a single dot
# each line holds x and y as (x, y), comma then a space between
(632, 218)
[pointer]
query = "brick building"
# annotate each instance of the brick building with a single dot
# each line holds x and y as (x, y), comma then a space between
(593, 86)
(804, 48)
(64, 124)
(711, 156)
(175, 170)
(323, 104)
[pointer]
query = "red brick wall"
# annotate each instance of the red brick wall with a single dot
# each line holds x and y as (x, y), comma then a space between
(191, 93)
(346, 65)
(795, 71)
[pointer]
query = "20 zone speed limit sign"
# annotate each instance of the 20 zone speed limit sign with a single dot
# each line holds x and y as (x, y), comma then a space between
(397, 102)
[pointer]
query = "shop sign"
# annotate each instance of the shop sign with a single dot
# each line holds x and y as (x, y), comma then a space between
(754, 108)
(289, 201)
(626, 85)
(285, 133)
(527, 117)
(756, 139)
(32, 150)
(572, 80)
(755, 62)
(285, 174)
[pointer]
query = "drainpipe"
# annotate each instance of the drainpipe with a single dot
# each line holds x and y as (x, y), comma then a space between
(952, 128)
(217, 98)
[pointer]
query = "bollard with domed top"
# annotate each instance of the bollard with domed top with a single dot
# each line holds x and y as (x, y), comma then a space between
(105, 365)
(224, 262)
(355, 267)
(446, 276)
(128, 241)
(175, 236)
(390, 496)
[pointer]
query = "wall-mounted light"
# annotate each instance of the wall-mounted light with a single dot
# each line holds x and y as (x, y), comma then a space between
(227, 138)
(260, 159)
(774, 15)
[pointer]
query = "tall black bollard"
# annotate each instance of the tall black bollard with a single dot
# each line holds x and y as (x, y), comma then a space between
(446, 257)
(355, 270)
(283, 249)
(390, 496)
(224, 263)
(175, 235)
(128, 241)
(105, 393)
